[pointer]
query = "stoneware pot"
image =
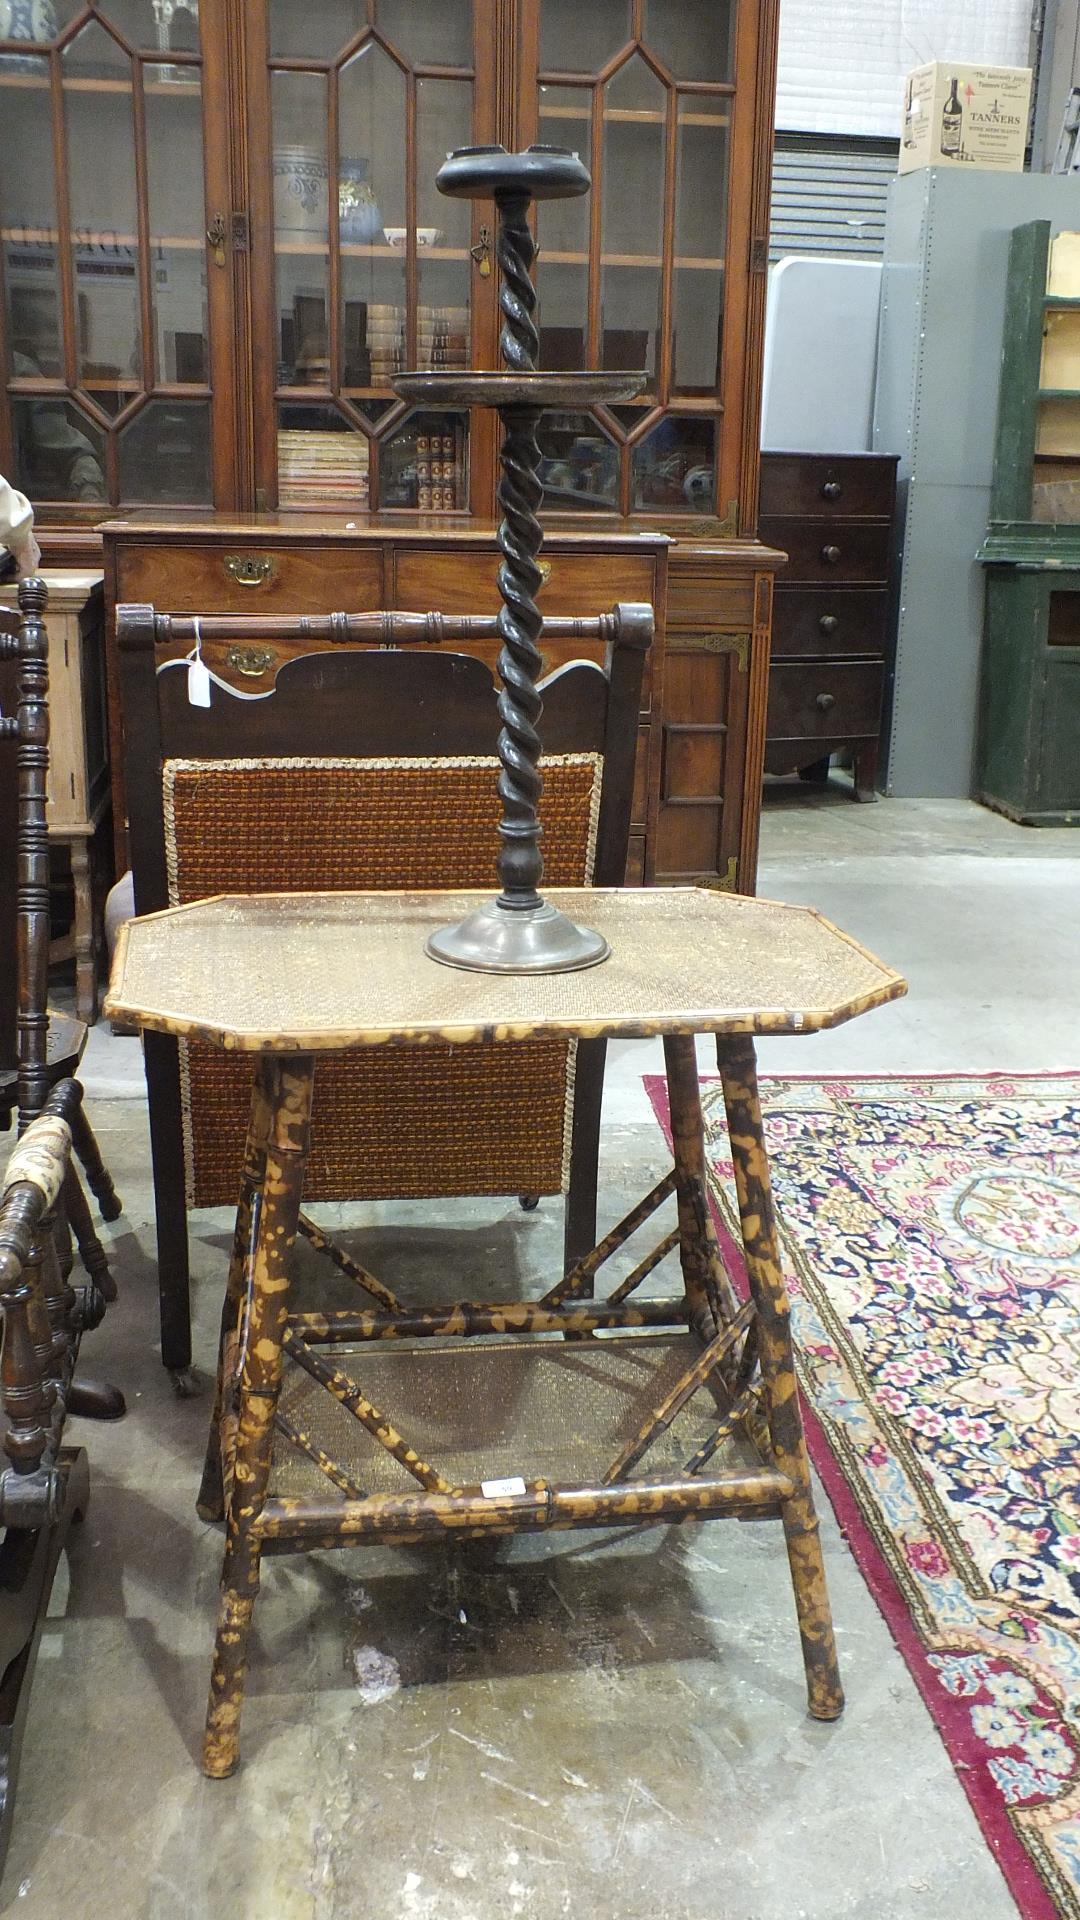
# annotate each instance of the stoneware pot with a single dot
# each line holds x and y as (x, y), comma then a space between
(301, 191)
(358, 215)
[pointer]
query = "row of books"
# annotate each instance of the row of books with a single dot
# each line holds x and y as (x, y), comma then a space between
(442, 339)
(318, 466)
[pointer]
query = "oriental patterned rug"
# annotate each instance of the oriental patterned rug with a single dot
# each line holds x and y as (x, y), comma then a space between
(931, 1235)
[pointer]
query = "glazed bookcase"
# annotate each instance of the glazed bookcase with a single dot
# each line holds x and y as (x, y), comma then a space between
(220, 238)
(192, 317)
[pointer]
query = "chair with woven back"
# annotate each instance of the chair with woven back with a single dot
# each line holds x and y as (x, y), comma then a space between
(39, 1046)
(371, 767)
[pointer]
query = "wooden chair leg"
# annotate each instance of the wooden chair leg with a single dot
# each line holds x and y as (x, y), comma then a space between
(579, 1231)
(288, 1083)
(98, 1177)
(210, 1504)
(91, 1252)
(167, 1152)
(738, 1071)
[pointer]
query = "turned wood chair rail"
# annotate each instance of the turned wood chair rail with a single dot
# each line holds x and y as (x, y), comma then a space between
(140, 626)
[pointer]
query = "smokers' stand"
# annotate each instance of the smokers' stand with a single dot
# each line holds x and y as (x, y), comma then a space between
(659, 1409)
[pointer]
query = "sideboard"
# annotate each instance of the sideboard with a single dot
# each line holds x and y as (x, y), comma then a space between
(701, 731)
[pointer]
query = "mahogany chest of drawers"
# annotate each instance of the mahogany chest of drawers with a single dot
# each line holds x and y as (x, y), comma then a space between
(832, 515)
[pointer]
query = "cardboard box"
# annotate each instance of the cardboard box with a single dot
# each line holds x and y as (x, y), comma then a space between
(957, 116)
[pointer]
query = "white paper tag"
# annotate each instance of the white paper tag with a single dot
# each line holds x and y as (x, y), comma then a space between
(499, 1489)
(198, 683)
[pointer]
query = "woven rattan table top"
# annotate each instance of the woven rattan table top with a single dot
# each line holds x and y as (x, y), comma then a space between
(308, 972)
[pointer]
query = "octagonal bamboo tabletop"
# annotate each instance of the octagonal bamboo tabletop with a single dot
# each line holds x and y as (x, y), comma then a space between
(308, 972)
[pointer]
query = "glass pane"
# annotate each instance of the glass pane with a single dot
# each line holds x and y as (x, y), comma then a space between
(700, 242)
(371, 212)
(59, 453)
(316, 31)
(633, 192)
(321, 457)
(442, 315)
(177, 219)
(28, 223)
(165, 454)
(563, 301)
(580, 466)
(424, 464)
(673, 467)
(443, 122)
(101, 177)
(170, 25)
(371, 122)
(435, 33)
(694, 38)
(373, 318)
(29, 20)
(576, 38)
(301, 226)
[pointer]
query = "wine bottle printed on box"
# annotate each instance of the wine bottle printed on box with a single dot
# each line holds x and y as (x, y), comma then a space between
(952, 124)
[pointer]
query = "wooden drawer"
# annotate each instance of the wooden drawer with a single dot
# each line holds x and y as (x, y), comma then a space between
(819, 620)
(210, 578)
(817, 552)
(825, 701)
(824, 484)
(700, 599)
(464, 582)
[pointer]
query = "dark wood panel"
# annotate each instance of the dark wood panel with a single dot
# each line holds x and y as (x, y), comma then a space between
(824, 700)
(703, 597)
(829, 621)
(822, 485)
(857, 550)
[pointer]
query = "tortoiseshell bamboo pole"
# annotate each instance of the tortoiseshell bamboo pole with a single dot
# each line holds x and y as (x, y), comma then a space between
(210, 1504)
(708, 1288)
(738, 1072)
(674, 1402)
(470, 1318)
(345, 1264)
(346, 1392)
(579, 1280)
(304, 1523)
(643, 1269)
(288, 1086)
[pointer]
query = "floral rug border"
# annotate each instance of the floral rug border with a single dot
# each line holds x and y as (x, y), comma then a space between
(949, 1710)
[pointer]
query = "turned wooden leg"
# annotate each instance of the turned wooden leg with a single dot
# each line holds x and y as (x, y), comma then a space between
(91, 1252)
(98, 1177)
(735, 1056)
(288, 1086)
(210, 1504)
(709, 1292)
(85, 971)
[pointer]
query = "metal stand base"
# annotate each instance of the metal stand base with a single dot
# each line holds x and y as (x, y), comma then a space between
(497, 939)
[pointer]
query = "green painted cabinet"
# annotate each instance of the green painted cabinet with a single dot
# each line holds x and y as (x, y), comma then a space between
(1029, 744)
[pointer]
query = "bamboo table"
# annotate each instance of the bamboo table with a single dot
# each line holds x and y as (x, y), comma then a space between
(489, 1427)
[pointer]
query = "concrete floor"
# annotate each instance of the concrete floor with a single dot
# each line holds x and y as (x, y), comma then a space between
(595, 1726)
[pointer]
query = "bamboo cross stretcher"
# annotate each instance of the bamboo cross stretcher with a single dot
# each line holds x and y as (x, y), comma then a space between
(398, 1422)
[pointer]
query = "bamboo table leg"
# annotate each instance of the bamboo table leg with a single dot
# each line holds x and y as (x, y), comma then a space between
(210, 1504)
(709, 1293)
(738, 1071)
(287, 1082)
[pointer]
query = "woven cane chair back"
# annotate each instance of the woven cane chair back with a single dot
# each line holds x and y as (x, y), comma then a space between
(231, 818)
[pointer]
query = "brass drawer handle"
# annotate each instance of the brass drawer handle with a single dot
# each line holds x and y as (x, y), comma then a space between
(252, 662)
(830, 555)
(249, 569)
(543, 568)
(824, 701)
(828, 623)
